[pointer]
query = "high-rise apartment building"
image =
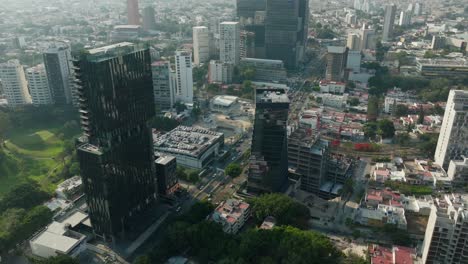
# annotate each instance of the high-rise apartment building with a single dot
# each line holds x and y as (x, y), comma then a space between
(38, 85)
(247, 44)
(149, 20)
(116, 153)
(418, 9)
(308, 157)
(353, 42)
(336, 63)
(229, 42)
(286, 30)
(268, 167)
(133, 13)
(453, 137)
(14, 83)
(164, 92)
(57, 61)
(405, 18)
(201, 45)
(389, 21)
(445, 240)
(184, 77)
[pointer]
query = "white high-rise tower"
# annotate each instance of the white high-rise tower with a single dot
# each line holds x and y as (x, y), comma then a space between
(38, 85)
(184, 71)
(14, 83)
(201, 45)
(389, 20)
(229, 43)
(453, 137)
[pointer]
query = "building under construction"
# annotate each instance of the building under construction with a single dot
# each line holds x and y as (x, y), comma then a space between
(320, 172)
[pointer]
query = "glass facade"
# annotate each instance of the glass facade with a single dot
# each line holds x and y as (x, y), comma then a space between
(116, 158)
(268, 169)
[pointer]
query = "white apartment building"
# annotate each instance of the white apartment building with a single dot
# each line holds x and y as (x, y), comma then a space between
(163, 90)
(229, 42)
(38, 85)
(184, 77)
(201, 45)
(14, 83)
(405, 18)
(453, 138)
(446, 232)
(232, 215)
(220, 72)
(332, 87)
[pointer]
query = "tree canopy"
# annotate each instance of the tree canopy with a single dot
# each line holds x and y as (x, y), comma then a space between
(233, 170)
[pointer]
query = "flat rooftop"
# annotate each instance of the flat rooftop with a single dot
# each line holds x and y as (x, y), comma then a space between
(271, 96)
(336, 49)
(109, 48)
(190, 141)
(443, 62)
(163, 160)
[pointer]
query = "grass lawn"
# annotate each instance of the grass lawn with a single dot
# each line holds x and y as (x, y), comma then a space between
(31, 156)
(38, 144)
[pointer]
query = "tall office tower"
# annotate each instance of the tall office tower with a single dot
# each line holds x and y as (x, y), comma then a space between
(116, 153)
(229, 42)
(201, 45)
(446, 232)
(164, 97)
(149, 20)
(353, 42)
(308, 157)
(418, 8)
(38, 85)
(336, 63)
(453, 138)
(184, 71)
(133, 14)
(286, 26)
(389, 20)
(367, 38)
(405, 18)
(220, 72)
(14, 83)
(410, 8)
(246, 10)
(268, 167)
(57, 61)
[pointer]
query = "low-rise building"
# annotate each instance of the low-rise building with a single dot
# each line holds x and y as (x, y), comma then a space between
(232, 215)
(59, 238)
(266, 70)
(223, 102)
(269, 223)
(332, 87)
(334, 101)
(458, 171)
(382, 215)
(436, 68)
(125, 33)
(220, 72)
(193, 147)
(394, 255)
(70, 189)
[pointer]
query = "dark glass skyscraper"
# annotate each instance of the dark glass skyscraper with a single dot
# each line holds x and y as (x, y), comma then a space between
(286, 26)
(116, 158)
(268, 168)
(247, 8)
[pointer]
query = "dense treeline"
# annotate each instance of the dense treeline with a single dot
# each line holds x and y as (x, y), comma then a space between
(193, 236)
